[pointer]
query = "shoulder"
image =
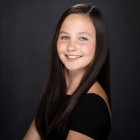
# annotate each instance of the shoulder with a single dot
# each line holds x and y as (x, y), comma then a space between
(91, 116)
(97, 89)
(91, 106)
(94, 100)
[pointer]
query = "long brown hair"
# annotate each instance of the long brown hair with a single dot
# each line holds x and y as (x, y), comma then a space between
(54, 110)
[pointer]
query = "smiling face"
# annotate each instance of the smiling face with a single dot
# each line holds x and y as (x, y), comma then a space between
(76, 42)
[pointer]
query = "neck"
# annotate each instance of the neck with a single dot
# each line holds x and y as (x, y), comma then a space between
(73, 79)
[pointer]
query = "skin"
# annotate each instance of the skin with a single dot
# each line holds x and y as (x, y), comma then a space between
(77, 39)
(76, 47)
(32, 133)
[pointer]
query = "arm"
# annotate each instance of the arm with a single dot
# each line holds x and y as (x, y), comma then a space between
(32, 133)
(73, 135)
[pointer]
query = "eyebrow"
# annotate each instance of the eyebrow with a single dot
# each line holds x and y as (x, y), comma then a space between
(63, 32)
(86, 33)
(80, 33)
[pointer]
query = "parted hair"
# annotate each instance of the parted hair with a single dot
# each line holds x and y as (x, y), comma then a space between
(53, 110)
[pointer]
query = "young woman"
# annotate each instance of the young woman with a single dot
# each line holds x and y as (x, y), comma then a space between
(76, 103)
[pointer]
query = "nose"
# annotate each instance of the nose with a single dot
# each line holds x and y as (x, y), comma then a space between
(71, 46)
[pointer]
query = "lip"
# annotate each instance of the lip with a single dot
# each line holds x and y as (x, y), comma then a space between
(72, 57)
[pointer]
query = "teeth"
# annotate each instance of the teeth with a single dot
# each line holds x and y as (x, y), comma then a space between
(73, 56)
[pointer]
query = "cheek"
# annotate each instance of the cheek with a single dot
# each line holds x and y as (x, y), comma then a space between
(59, 47)
(89, 50)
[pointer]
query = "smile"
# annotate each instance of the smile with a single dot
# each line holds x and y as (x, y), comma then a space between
(73, 56)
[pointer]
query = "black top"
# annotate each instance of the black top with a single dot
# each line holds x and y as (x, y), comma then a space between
(90, 117)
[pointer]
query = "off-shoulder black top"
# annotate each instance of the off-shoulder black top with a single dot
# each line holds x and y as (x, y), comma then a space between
(90, 117)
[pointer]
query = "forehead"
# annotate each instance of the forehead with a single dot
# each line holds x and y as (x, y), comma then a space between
(81, 22)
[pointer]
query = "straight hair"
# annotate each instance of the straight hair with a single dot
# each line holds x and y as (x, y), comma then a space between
(54, 110)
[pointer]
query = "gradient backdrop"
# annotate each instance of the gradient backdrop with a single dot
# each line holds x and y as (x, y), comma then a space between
(26, 30)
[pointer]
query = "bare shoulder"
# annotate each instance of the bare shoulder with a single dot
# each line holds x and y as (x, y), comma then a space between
(73, 135)
(32, 133)
(98, 90)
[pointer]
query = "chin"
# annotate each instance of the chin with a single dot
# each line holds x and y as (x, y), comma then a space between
(76, 69)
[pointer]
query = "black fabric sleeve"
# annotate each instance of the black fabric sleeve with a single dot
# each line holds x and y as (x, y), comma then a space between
(91, 117)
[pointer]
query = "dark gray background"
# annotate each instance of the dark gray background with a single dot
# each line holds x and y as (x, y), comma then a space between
(26, 29)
